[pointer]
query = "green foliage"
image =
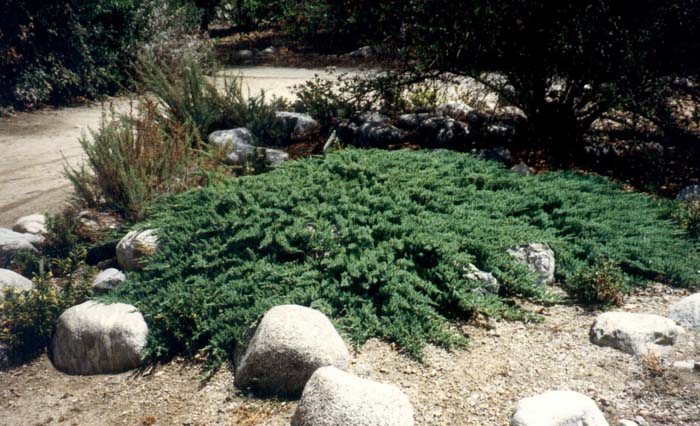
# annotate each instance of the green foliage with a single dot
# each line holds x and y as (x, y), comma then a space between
(603, 283)
(187, 96)
(27, 318)
(380, 241)
(255, 112)
(135, 158)
(688, 215)
(58, 51)
(183, 91)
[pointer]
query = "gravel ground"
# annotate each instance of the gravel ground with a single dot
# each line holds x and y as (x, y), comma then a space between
(475, 386)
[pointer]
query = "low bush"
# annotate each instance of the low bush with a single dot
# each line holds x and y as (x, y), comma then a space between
(603, 283)
(27, 318)
(188, 96)
(134, 158)
(688, 215)
(58, 51)
(380, 242)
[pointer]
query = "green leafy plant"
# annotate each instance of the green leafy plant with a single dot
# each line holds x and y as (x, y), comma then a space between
(188, 96)
(27, 318)
(380, 241)
(603, 283)
(688, 215)
(135, 158)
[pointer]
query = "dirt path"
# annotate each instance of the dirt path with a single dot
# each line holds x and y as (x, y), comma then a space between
(33, 145)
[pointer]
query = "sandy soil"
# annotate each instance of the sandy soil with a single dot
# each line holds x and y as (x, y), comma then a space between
(476, 386)
(33, 145)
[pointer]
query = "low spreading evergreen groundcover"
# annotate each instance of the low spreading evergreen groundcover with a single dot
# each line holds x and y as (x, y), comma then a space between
(380, 241)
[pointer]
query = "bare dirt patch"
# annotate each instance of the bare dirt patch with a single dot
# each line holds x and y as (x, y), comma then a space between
(475, 386)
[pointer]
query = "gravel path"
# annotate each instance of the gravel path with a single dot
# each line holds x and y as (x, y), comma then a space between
(475, 386)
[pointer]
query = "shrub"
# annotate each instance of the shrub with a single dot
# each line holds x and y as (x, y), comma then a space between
(27, 318)
(187, 96)
(603, 283)
(379, 241)
(58, 51)
(183, 91)
(688, 215)
(135, 158)
(171, 31)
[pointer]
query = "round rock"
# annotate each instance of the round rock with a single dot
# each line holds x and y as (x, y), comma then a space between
(134, 247)
(635, 334)
(289, 344)
(13, 280)
(689, 194)
(108, 280)
(687, 311)
(239, 146)
(32, 224)
(96, 338)
(301, 126)
(558, 408)
(335, 398)
(539, 258)
(12, 243)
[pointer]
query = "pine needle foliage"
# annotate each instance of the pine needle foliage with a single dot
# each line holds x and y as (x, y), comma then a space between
(379, 241)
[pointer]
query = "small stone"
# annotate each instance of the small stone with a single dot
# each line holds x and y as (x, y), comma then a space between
(558, 408)
(301, 127)
(627, 423)
(135, 247)
(687, 311)
(364, 52)
(539, 258)
(239, 146)
(456, 110)
(635, 334)
(684, 365)
(335, 398)
(12, 280)
(32, 224)
(487, 282)
(108, 280)
(522, 169)
(12, 243)
(689, 194)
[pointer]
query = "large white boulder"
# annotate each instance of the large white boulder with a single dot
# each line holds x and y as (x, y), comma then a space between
(635, 334)
(289, 344)
(301, 126)
(96, 338)
(12, 242)
(539, 258)
(335, 398)
(239, 146)
(13, 280)
(558, 408)
(135, 247)
(32, 224)
(687, 311)
(108, 280)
